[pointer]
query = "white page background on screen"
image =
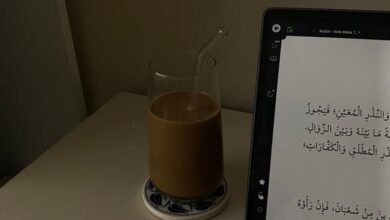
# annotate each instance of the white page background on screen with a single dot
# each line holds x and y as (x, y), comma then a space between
(330, 156)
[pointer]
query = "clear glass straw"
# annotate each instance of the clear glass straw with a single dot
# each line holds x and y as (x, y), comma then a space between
(222, 32)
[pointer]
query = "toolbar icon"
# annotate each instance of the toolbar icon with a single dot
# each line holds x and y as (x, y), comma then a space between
(276, 28)
(271, 93)
(260, 196)
(273, 58)
(262, 182)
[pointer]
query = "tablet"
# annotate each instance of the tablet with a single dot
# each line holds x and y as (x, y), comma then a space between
(321, 134)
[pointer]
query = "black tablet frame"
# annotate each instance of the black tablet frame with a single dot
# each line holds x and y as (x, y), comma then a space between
(304, 22)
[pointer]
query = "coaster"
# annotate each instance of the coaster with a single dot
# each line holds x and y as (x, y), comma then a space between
(167, 208)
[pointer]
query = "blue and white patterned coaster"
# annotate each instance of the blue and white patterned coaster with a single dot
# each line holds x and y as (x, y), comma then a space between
(165, 207)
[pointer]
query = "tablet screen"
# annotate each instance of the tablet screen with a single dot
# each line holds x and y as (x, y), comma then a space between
(321, 142)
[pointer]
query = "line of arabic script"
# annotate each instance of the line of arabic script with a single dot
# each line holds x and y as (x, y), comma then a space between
(338, 208)
(338, 147)
(346, 131)
(339, 113)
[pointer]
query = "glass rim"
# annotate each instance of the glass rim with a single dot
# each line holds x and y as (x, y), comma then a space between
(161, 75)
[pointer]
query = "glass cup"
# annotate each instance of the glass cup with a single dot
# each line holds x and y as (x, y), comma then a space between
(185, 134)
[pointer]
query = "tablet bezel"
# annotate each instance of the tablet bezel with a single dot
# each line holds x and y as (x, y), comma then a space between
(266, 88)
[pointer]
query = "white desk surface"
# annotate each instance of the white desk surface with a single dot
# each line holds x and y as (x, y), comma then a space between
(97, 170)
